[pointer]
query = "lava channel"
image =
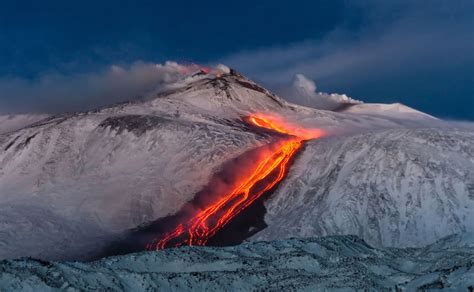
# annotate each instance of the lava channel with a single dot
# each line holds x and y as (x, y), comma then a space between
(265, 174)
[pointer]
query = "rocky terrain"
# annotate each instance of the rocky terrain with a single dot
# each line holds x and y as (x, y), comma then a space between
(335, 262)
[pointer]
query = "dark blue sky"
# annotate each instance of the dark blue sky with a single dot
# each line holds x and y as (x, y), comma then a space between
(417, 52)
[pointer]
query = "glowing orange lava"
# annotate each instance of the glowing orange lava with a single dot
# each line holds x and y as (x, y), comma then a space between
(264, 176)
(277, 124)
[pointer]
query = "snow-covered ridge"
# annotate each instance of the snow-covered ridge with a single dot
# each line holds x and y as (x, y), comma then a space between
(394, 110)
(10, 123)
(336, 262)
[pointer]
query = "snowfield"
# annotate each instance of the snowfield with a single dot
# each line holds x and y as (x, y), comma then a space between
(335, 262)
(398, 187)
(71, 184)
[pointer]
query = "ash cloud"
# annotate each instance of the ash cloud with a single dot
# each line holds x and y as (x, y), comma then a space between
(55, 93)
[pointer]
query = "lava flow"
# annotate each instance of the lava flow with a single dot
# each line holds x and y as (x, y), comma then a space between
(266, 173)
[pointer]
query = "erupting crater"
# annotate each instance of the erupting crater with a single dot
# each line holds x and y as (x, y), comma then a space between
(265, 174)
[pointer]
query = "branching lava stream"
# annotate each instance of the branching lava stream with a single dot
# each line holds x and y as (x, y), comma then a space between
(266, 173)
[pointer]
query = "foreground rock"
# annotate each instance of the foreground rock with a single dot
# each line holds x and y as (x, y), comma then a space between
(301, 264)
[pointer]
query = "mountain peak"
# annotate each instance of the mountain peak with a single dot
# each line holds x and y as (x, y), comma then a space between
(220, 90)
(393, 110)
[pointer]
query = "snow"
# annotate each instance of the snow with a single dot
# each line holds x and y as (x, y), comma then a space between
(336, 262)
(10, 123)
(394, 110)
(395, 187)
(89, 177)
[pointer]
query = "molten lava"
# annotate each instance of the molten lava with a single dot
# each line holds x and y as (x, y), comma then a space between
(266, 173)
(277, 124)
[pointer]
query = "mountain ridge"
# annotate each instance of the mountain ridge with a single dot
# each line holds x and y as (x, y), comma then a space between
(121, 166)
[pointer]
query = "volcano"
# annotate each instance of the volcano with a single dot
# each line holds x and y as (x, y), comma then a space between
(80, 182)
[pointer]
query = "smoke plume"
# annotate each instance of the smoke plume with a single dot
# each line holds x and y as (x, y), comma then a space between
(303, 91)
(55, 93)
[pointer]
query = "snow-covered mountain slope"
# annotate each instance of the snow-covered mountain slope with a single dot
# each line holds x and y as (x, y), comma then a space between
(337, 262)
(75, 182)
(394, 110)
(97, 174)
(398, 187)
(113, 169)
(9, 123)
(110, 172)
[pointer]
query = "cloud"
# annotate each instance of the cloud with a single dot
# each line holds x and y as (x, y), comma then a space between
(54, 93)
(393, 40)
(303, 91)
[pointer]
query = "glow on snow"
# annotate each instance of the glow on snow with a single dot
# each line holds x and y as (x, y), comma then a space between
(269, 170)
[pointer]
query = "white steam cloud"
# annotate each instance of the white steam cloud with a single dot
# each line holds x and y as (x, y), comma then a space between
(304, 92)
(54, 93)
(415, 52)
